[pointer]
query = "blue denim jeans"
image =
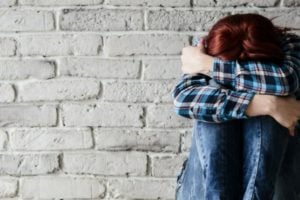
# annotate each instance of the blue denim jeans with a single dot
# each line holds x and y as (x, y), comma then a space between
(251, 159)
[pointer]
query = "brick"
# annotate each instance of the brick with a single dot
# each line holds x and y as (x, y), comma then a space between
(87, 44)
(26, 20)
(259, 3)
(101, 20)
(8, 187)
(23, 69)
(27, 115)
(145, 140)
(50, 139)
(167, 165)
(7, 93)
(4, 3)
(138, 91)
(99, 68)
(28, 164)
(204, 3)
(291, 3)
(68, 89)
(186, 141)
(3, 141)
(47, 45)
(134, 188)
(60, 44)
(102, 114)
(163, 116)
(145, 44)
(162, 69)
(183, 20)
(285, 18)
(47, 187)
(59, 2)
(7, 47)
(167, 3)
(106, 163)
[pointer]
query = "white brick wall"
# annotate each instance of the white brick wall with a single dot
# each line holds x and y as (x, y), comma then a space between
(86, 109)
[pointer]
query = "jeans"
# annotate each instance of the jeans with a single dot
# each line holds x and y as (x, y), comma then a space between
(251, 159)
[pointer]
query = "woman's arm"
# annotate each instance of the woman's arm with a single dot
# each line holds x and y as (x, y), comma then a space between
(195, 99)
(260, 77)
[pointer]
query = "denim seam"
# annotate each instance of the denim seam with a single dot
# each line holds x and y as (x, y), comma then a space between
(202, 151)
(204, 164)
(224, 165)
(257, 156)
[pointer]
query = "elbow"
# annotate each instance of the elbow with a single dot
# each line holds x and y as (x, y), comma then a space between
(182, 109)
(182, 113)
(186, 110)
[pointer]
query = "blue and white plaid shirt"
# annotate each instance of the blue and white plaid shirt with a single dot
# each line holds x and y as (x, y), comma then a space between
(227, 93)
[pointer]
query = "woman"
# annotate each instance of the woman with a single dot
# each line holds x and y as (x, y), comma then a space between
(240, 157)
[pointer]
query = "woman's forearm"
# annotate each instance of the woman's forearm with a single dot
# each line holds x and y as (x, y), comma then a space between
(285, 110)
(258, 76)
(260, 105)
(195, 99)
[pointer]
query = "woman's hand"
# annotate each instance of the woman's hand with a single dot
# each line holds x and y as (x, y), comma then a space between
(195, 60)
(285, 110)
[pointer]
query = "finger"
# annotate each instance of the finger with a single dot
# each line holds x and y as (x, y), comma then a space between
(200, 41)
(201, 44)
(292, 131)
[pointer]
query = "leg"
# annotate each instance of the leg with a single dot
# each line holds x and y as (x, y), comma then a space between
(216, 153)
(288, 183)
(189, 181)
(220, 152)
(265, 143)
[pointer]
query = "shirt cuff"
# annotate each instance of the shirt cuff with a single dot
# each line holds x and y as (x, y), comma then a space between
(239, 108)
(241, 111)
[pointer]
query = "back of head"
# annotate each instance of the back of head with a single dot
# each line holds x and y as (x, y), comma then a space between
(245, 37)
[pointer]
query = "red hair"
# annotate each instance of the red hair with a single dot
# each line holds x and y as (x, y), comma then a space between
(245, 36)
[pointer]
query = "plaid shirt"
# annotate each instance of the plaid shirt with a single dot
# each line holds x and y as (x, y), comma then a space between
(227, 93)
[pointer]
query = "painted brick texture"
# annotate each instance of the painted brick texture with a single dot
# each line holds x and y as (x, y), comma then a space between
(86, 108)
